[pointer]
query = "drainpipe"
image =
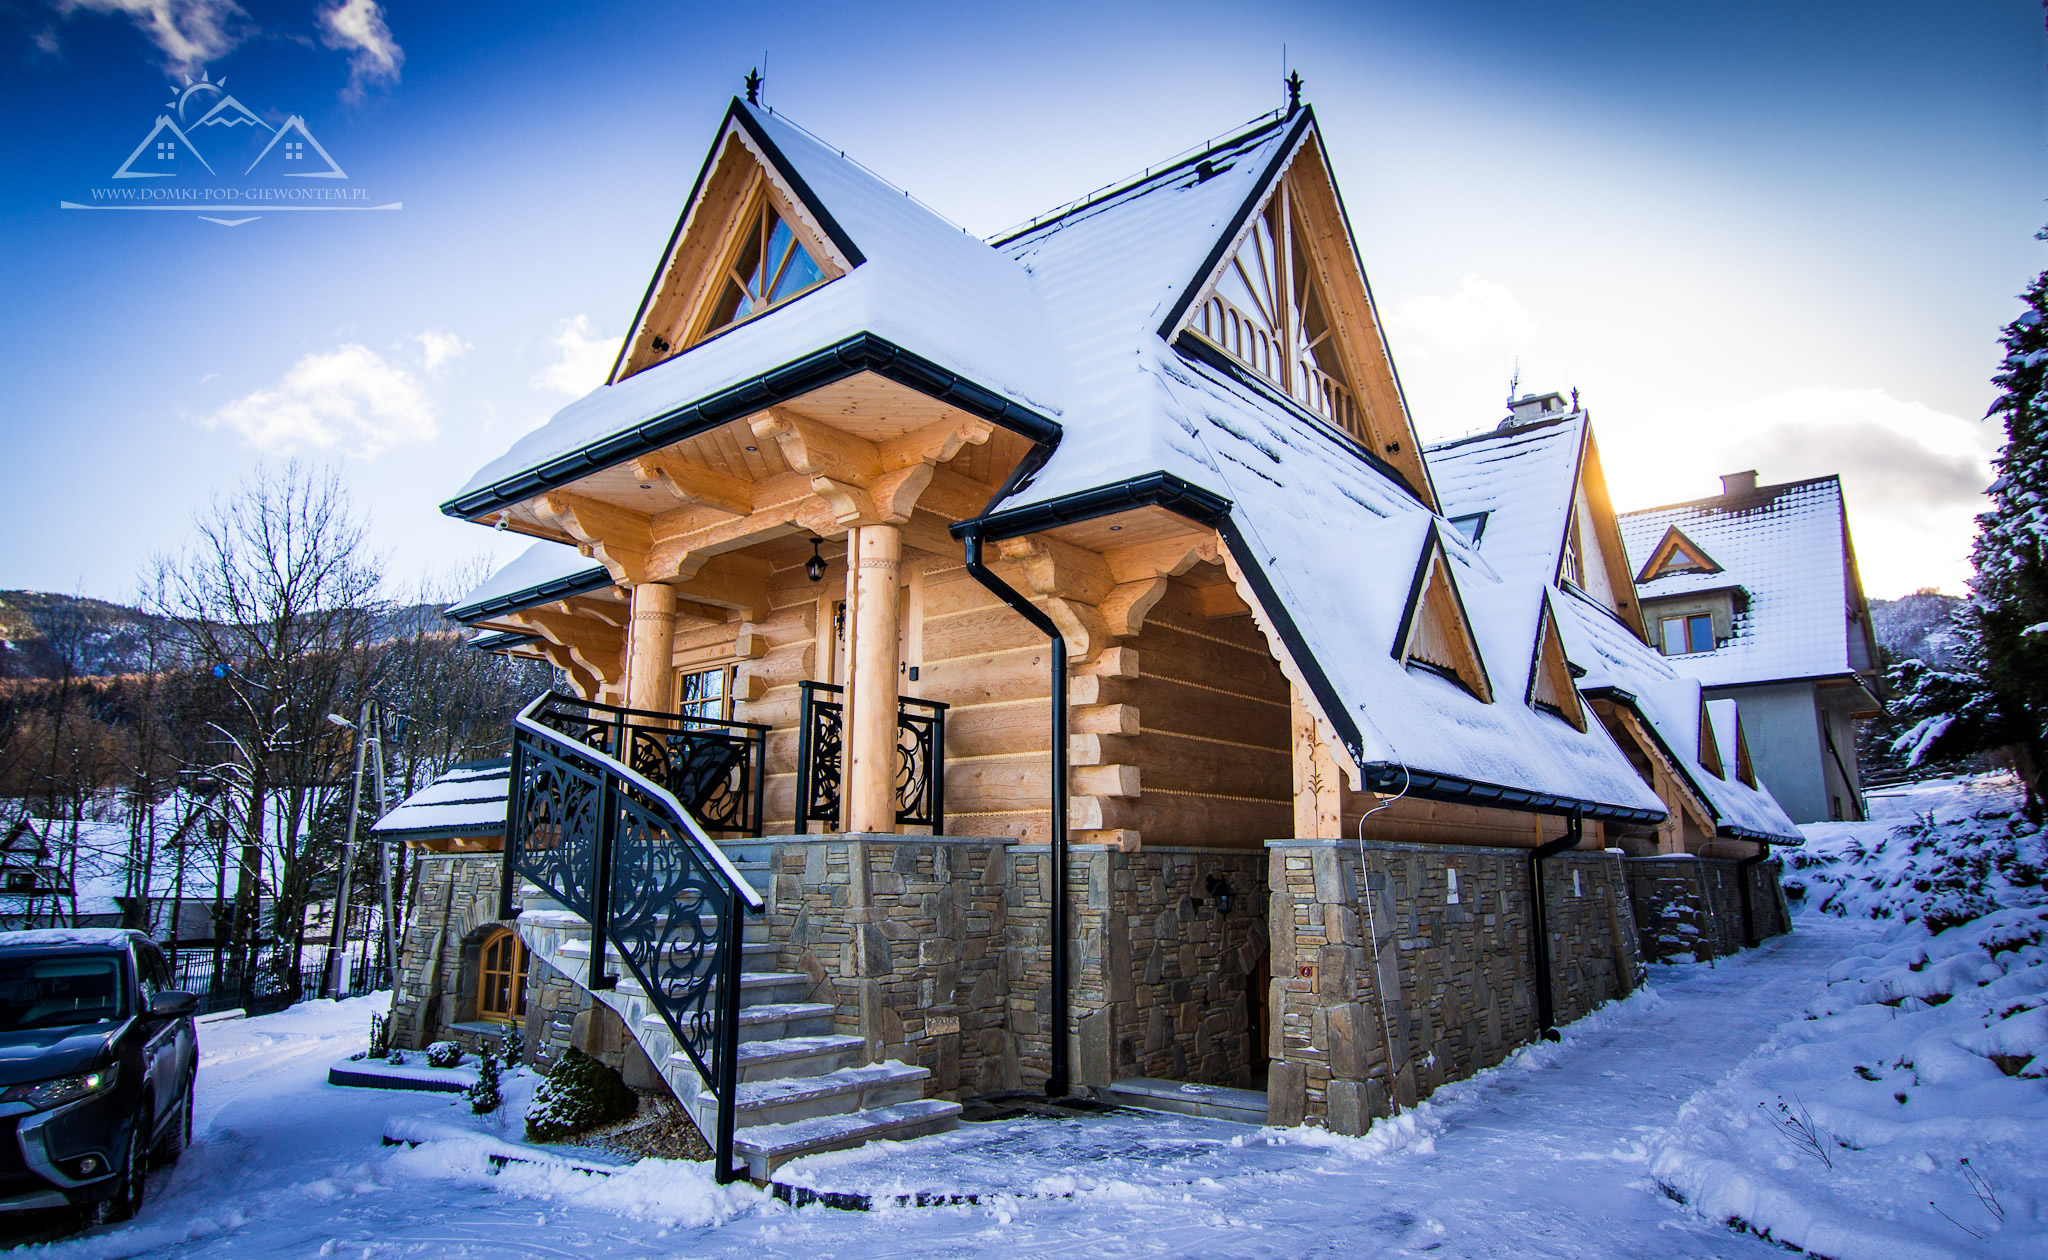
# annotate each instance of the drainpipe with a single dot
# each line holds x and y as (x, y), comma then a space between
(1546, 1004)
(1763, 850)
(1057, 1084)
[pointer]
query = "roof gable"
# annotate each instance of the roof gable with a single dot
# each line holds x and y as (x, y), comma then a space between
(1436, 633)
(1675, 553)
(1550, 674)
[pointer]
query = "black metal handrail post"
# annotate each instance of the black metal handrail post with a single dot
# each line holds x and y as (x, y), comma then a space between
(939, 773)
(731, 931)
(514, 809)
(601, 885)
(805, 691)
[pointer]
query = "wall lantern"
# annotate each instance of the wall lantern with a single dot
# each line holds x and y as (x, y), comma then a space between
(815, 566)
(1225, 895)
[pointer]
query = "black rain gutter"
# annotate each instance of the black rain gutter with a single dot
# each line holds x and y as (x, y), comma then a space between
(1539, 915)
(1205, 507)
(1060, 1079)
(851, 356)
(543, 593)
(500, 640)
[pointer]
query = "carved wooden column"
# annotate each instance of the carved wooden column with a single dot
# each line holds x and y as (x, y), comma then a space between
(1318, 782)
(650, 648)
(877, 554)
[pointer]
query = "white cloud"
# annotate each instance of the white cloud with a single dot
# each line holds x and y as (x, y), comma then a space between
(359, 27)
(437, 348)
(1481, 313)
(1914, 477)
(1456, 352)
(348, 399)
(582, 359)
(189, 33)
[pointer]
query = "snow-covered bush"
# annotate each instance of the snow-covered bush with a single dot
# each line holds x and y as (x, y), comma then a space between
(514, 1048)
(380, 1036)
(484, 1097)
(443, 1054)
(1968, 853)
(580, 1093)
(397, 1058)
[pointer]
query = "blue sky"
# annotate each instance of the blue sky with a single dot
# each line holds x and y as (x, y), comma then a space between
(1754, 235)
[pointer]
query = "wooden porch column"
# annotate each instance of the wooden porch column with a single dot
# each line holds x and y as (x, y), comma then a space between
(877, 552)
(650, 648)
(1318, 781)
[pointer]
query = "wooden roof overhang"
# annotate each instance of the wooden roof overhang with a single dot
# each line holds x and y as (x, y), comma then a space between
(1695, 798)
(1158, 508)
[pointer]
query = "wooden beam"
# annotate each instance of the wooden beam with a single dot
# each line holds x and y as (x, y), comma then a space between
(692, 483)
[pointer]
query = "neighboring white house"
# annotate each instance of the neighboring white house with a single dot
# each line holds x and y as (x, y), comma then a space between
(1755, 592)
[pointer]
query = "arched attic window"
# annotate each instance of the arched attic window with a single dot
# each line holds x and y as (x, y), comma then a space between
(501, 978)
(1267, 311)
(768, 267)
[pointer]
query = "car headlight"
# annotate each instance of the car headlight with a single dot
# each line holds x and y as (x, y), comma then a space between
(43, 1095)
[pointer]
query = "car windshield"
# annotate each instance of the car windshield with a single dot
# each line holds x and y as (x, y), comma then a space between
(58, 991)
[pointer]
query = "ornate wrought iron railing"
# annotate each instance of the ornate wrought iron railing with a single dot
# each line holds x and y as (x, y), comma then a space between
(619, 849)
(821, 759)
(714, 767)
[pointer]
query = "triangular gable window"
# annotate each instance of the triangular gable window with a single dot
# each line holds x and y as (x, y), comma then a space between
(1710, 748)
(1550, 675)
(769, 267)
(1266, 310)
(1435, 633)
(1675, 553)
(1745, 771)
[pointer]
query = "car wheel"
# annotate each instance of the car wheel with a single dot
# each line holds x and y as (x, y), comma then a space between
(178, 1136)
(127, 1200)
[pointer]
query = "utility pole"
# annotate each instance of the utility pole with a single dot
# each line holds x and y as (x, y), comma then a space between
(337, 939)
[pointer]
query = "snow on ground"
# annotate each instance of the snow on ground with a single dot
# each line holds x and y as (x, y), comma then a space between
(1905, 1114)
(1581, 1148)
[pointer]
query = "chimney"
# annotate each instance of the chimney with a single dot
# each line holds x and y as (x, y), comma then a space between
(1733, 484)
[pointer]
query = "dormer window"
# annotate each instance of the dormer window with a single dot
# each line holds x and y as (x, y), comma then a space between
(1693, 633)
(769, 267)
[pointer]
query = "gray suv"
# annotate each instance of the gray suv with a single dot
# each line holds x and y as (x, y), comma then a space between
(97, 1055)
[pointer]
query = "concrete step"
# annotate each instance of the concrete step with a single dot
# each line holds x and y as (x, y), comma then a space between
(773, 1022)
(766, 1147)
(757, 988)
(1214, 1102)
(785, 1100)
(789, 1056)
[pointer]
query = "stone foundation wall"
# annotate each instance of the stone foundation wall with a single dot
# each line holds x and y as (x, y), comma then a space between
(1389, 979)
(1690, 908)
(906, 935)
(457, 900)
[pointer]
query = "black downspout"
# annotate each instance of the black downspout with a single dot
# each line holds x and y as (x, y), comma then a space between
(1546, 1004)
(1057, 1084)
(1749, 936)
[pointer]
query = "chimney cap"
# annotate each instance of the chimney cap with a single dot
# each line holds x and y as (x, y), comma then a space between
(1738, 483)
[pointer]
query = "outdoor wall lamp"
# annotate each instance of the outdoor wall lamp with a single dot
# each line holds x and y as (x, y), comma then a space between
(1225, 895)
(815, 566)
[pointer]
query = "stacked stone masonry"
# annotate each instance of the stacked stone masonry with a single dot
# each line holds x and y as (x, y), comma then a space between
(1397, 968)
(1689, 908)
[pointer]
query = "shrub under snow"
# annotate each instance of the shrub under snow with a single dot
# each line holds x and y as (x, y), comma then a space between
(444, 1054)
(580, 1093)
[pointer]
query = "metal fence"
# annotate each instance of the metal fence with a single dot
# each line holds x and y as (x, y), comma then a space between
(271, 981)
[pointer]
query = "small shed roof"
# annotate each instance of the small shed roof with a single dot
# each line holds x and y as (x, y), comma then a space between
(467, 802)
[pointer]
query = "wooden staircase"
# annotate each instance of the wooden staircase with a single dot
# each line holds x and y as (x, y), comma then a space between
(803, 1086)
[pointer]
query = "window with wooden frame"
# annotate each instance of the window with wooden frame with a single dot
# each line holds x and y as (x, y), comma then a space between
(1267, 311)
(706, 693)
(1573, 569)
(1691, 633)
(1436, 635)
(767, 265)
(501, 982)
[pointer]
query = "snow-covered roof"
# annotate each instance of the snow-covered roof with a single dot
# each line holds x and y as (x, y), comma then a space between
(1522, 477)
(1787, 547)
(469, 800)
(545, 571)
(1616, 660)
(924, 285)
(1065, 318)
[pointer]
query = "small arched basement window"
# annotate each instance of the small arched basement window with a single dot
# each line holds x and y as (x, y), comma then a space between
(501, 982)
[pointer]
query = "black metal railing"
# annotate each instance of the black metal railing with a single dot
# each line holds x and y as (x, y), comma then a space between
(714, 767)
(622, 851)
(821, 759)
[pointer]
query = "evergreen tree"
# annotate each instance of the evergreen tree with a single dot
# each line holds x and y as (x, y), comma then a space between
(1995, 696)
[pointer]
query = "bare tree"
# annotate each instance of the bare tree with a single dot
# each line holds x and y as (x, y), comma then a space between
(278, 596)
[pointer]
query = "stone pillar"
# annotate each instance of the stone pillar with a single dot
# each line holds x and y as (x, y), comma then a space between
(650, 648)
(877, 553)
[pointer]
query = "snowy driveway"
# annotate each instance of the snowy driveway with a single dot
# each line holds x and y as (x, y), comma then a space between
(1546, 1156)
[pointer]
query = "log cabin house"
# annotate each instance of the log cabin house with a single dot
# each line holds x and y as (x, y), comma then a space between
(1038, 663)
